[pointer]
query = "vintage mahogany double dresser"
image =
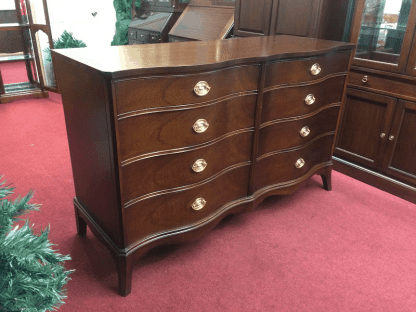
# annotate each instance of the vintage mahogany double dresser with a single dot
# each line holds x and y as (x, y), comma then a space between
(168, 139)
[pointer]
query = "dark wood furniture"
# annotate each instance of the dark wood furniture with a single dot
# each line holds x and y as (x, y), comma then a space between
(376, 142)
(154, 29)
(203, 22)
(11, 40)
(325, 19)
(153, 21)
(168, 139)
(167, 5)
(23, 26)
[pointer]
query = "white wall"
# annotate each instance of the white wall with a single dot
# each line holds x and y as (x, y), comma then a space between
(75, 16)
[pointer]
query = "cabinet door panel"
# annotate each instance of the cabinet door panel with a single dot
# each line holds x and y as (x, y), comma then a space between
(365, 118)
(400, 156)
(296, 17)
(252, 18)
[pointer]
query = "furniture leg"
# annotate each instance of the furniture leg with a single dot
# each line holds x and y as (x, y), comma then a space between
(326, 178)
(81, 224)
(124, 266)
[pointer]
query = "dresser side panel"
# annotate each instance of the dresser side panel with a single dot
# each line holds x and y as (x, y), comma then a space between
(89, 118)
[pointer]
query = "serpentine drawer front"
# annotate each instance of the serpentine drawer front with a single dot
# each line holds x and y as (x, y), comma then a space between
(168, 139)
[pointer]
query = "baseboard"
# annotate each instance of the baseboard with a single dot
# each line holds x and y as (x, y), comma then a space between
(378, 180)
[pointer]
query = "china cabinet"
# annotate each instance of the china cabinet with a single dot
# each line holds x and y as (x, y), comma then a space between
(376, 142)
(324, 19)
(24, 24)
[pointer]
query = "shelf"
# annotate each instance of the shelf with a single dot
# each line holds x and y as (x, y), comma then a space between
(15, 58)
(13, 26)
(15, 91)
(19, 87)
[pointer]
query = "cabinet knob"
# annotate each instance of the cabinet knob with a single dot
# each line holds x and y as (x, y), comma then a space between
(391, 138)
(199, 165)
(202, 88)
(199, 203)
(382, 135)
(315, 69)
(365, 79)
(310, 99)
(299, 163)
(200, 126)
(304, 132)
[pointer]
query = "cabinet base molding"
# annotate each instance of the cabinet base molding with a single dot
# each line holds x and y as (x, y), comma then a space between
(375, 179)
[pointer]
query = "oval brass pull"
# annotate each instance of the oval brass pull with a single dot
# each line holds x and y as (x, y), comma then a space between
(315, 69)
(310, 99)
(365, 79)
(202, 88)
(382, 135)
(199, 165)
(304, 132)
(199, 203)
(201, 125)
(299, 163)
(391, 138)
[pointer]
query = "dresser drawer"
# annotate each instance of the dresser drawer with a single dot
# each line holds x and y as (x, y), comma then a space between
(279, 168)
(284, 134)
(150, 92)
(401, 88)
(132, 34)
(160, 173)
(290, 72)
(292, 101)
(173, 212)
(163, 131)
(142, 35)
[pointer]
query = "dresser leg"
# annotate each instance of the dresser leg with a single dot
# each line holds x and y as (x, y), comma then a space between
(81, 224)
(125, 270)
(326, 179)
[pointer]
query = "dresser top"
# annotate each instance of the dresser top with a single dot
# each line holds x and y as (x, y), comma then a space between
(178, 57)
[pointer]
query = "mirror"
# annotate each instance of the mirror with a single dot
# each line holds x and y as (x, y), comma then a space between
(382, 30)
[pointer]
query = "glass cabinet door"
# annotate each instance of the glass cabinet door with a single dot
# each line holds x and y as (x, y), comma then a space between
(386, 29)
(411, 63)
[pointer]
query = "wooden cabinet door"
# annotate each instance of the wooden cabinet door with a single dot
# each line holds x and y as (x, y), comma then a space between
(296, 17)
(253, 18)
(400, 156)
(364, 128)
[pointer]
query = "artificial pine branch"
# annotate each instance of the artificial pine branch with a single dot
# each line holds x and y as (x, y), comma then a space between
(32, 276)
(65, 40)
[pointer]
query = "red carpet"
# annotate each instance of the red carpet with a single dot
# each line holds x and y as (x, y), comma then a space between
(13, 72)
(351, 249)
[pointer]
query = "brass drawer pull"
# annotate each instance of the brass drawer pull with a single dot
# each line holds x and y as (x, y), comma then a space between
(365, 79)
(391, 138)
(310, 99)
(202, 88)
(199, 165)
(199, 203)
(299, 163)
(382, 135)
(315, 69)
(200, 126)
(304, 132)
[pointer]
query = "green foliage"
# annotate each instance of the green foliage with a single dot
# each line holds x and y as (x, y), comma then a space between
(123, 16)
(66, 40)
(32, 275)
